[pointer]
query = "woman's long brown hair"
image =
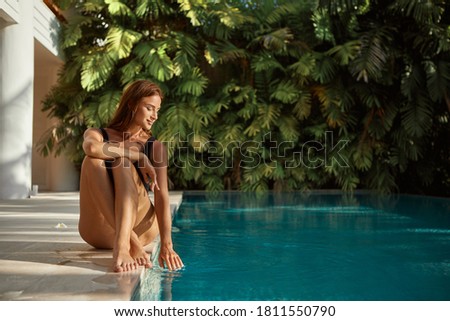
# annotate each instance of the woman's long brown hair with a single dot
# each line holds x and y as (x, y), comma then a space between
(129, 102)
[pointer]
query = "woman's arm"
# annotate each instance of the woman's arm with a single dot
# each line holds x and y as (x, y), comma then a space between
(94, 146)
(167, 254)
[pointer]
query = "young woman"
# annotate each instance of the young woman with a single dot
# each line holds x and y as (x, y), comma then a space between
(123, 163)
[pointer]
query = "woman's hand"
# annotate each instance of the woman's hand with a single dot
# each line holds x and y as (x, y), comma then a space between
(170, 258)
(150, 174)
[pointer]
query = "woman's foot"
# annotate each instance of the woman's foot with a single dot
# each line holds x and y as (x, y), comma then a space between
(123, 261)
(140, 256)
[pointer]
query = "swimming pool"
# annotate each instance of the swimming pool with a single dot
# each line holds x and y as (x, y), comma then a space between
(300, 246)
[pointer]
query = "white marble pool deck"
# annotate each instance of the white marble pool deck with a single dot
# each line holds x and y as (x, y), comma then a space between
(42, 256)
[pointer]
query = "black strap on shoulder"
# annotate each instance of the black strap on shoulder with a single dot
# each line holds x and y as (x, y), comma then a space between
(104, 134)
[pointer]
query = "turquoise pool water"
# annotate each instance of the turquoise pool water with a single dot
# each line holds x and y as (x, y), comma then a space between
(297, 246)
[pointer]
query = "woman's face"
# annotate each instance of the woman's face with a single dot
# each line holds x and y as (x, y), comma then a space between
(147, 112)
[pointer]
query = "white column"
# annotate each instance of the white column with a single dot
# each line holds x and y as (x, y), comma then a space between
(16, 104)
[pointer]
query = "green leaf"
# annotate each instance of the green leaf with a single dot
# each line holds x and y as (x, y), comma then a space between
(304, 67)
(192, 9)
(120, 41)
(117, 8)
(156, 60)
(265, 61)
(289, 128)
(130, 71)
(225, 51)
(193, 83)
(412, 79)
(363, 156)
(345, 53)
(268, 114)
(438, 79)
(152, 8)
(302, 108)
(97, 69)
(325, 69)
(276, 40)
(286, 92)
(373, 55)
(417, 116)
(73, 31)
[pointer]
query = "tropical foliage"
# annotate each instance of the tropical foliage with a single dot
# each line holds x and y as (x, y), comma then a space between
(283, 95)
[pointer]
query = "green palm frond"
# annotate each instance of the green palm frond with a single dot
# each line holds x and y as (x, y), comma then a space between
(322, 25)
(213, 182)
(97, 68)
(193, 83)
(373, 55)
(121, 41)
(216, 29)
(253, 129)
(130, 71)
(276, 40)
(118, 8)
(285, 92)
(268, 114)
(155, 59)
(289, 128)
(281, 11)
(438, 79)
(106, 106)
(71, 70)
(443, 36)
(249, 110)
(348, 180)
(193, 10)
(228, 52)
(380, 121)
(339, 6)
(199, 142)
(92, 6)
(231, 17)
(412, 79)
(304, 67)
(302, 108)
(73, 31)
(325, 69)
(186, 52)
(265, 61)
(382, 178)
(152, 8)
(417, 116)
(346, 52)
(422, 11)
(176, 124)
(371, 97)
(363, 156)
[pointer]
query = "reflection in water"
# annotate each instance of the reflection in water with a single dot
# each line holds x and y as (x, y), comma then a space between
(156, 285)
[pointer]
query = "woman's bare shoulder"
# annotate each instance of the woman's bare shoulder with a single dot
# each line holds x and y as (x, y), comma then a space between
(92, 133)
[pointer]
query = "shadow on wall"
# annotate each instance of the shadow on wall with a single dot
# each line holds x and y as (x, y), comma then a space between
(14, 182)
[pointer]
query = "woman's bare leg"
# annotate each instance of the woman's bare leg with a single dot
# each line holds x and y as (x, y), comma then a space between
(98, 218)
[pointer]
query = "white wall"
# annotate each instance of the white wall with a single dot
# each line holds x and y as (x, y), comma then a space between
(29, 65)
(51, 173)
(16, 105)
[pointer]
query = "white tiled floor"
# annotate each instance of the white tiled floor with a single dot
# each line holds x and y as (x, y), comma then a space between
(42, 256)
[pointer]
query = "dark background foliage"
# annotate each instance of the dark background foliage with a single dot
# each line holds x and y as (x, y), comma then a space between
(282, 95)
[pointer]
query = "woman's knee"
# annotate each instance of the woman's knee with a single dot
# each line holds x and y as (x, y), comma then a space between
(91, 163)
(123, 168)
